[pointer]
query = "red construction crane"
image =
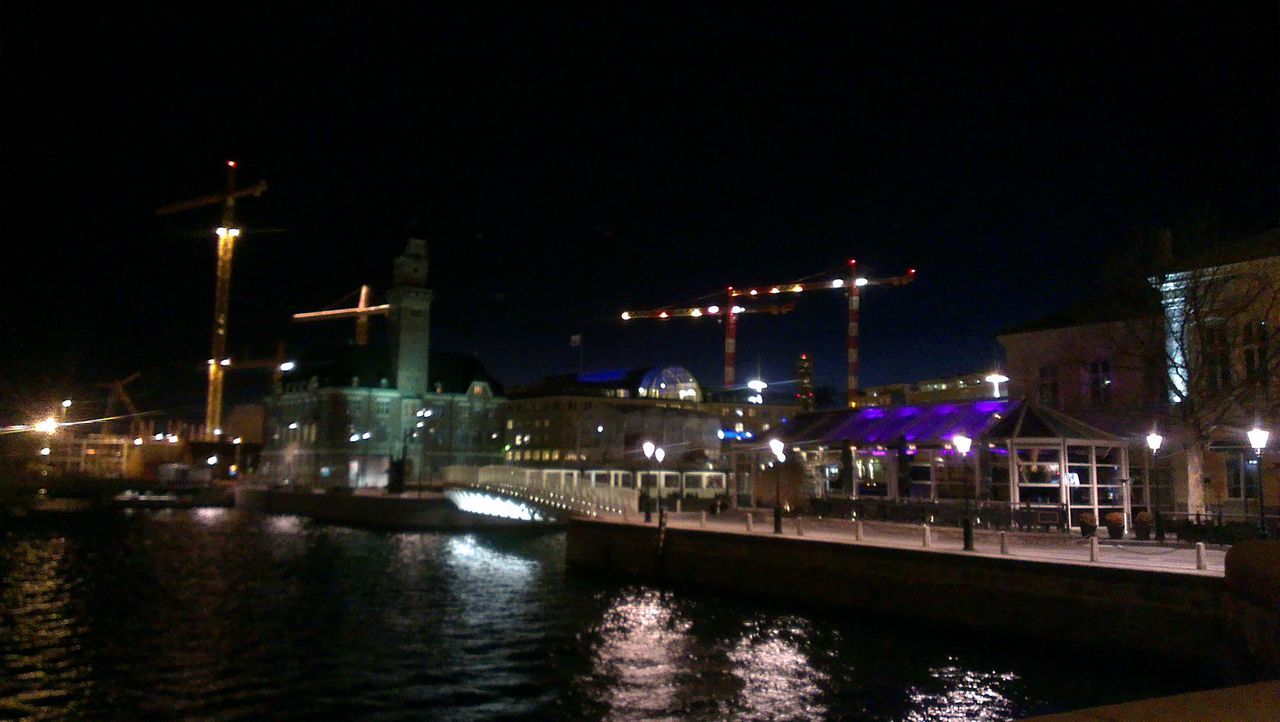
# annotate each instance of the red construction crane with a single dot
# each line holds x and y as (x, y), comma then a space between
(852, 287)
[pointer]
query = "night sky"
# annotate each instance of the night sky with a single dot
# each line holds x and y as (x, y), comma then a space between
(565, 167)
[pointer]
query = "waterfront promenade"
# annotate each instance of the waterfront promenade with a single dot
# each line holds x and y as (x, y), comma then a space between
(1033, 546)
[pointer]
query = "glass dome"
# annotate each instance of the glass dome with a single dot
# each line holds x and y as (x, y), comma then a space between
(669, 382)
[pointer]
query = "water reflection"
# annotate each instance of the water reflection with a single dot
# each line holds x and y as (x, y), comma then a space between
(41, 643)
(779, 681)
(641, 652)
(963, 694)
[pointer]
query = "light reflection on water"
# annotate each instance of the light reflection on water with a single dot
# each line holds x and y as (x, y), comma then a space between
(191, 613)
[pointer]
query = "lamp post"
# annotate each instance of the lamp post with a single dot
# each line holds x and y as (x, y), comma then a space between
(648, 448)
(66, 406)
(659, 454)
(775, 445)
(962, 444)
(1258, 440)
(1154, 440)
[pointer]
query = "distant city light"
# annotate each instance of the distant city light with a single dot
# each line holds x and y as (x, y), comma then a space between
(600, 429)
(354, 437)
(217, 432)
(293, 425)
(626, 316)
(211, 460)
(288, 366)
(366, 435)
(225, 362)
(172, 438)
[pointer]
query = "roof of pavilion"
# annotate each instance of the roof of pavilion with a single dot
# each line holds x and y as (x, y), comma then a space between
(1032, 421)
(935, 424)
(919, 424)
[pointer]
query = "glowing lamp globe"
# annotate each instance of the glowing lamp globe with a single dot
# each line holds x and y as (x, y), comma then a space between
(1154, 440)
(1258, 438)
(962, 444)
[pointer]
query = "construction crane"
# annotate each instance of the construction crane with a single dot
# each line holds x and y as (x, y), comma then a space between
(852, 286)
(361, 313)
(118, 394)
(227, 234)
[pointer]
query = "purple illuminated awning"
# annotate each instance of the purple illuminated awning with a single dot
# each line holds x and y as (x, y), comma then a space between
(919, 424)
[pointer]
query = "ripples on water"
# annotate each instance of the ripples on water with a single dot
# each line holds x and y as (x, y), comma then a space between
(212, 613)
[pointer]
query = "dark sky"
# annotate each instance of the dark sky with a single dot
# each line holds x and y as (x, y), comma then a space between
(566, 166)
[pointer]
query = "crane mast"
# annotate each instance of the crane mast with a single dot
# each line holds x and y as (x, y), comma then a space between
(227, 233)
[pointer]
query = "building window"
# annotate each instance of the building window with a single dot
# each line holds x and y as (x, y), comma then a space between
(1217, 357)
(1100, 382)
(384, 407)
(1048, 385)
(1255, 343)
(1242, 475)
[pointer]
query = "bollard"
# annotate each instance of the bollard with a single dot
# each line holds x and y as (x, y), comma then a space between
(702, 519)
(799, 529)
(857, 531)
(1004, 543)
(1200, 564)
(679, 504)
(968, 534)
(750, 523)
(927, 535)
(626, 514)
(1093, 548)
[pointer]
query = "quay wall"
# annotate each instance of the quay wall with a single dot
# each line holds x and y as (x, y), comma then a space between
(1178, 616)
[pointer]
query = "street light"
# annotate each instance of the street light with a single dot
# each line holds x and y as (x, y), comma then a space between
(46, 426)
(995, 380)
(962, 444)
(1154, 441)
(1258, 437)
(648, 448)
(776, 445)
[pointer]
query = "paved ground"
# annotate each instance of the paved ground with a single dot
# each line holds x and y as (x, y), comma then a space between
(1055, 547)
(1253, 702)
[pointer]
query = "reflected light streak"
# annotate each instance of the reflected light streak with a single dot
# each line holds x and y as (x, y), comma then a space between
(960, 694)
(778, 679)
(643, 647)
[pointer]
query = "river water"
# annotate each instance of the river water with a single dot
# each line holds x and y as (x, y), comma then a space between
(219, 614)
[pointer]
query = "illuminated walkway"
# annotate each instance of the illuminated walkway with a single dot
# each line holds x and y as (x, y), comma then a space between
(1021, 545)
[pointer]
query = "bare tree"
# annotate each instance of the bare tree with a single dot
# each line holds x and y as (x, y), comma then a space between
(1217, 348)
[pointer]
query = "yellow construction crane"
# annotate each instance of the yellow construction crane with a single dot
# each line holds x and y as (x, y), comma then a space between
(227, 234)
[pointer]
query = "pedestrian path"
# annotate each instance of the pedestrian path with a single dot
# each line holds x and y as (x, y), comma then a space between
(1033, 546)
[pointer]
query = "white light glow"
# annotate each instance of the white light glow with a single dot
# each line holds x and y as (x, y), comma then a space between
(648, 447)
(46, 426)
(696, 312)
(45, 451)
(1154, 440)
(1258, 438)
(838, 283)
(354, 437)
(757, 385)
(211, 460)
(293, 425)
(225, 362)
(860, 282)
(474, 502)
(659, 454)
(66, 403)
(137, 441)
(713, 310)
(366, 435)
(288, 366)
(626, 316)
(962, 444)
